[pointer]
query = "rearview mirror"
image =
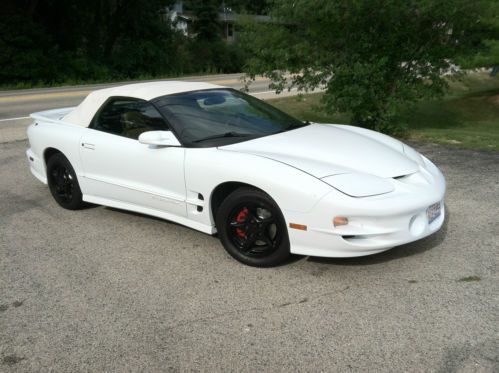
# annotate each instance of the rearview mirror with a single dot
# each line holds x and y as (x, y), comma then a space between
(214, 100)
(159, 138)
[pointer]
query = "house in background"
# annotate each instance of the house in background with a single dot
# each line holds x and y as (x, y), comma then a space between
(182, 19)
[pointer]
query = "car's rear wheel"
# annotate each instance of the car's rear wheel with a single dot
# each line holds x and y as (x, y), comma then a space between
(63, 183)
(252, 229)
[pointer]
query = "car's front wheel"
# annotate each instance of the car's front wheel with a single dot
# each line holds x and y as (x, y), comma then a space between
(252, 228)
(63, 183)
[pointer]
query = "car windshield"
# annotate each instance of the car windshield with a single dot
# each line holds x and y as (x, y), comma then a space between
(221, 116)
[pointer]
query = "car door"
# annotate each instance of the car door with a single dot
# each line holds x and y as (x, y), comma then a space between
(118, 168)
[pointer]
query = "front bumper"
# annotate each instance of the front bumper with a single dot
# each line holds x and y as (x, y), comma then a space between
(375, 224)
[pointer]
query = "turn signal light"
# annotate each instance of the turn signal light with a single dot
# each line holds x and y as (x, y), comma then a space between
(298, 226)
(340, 220)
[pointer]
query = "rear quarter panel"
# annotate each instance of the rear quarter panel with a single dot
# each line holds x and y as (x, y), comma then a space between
(60, 136)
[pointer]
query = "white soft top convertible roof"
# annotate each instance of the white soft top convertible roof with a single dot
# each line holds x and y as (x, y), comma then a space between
(83, 113)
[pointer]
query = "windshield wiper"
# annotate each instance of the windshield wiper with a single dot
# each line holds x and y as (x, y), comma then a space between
(222, 135)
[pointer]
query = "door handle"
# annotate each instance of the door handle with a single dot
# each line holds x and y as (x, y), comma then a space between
(87, 145)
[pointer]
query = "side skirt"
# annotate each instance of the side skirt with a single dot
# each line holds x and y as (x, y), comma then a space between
(148, 211)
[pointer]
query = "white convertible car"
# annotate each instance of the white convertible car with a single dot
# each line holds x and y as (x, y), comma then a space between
(220, 161)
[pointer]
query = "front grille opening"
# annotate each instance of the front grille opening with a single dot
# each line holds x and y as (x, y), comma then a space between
(355, 237)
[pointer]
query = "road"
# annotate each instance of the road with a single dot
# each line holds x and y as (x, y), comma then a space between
(105, 290)
(16, 105)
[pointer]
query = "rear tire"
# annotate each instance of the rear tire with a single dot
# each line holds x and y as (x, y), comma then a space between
(252, 228)
(63, 183)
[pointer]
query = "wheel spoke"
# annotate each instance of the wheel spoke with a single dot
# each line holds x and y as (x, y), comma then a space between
(268, 242)
(62, 182)
(250, 229)
(264, 223)
(69, 190)
(250, 216)
(246, 244)
(56, 174)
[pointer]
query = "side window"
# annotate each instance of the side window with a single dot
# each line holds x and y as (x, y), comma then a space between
(128, 118)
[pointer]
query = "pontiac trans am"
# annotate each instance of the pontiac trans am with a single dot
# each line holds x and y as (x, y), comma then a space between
(223, 162)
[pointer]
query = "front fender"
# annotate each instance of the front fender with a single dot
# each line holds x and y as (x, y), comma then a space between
(292, 189)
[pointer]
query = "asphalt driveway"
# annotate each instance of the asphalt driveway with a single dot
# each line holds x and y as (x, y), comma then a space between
(105, 290)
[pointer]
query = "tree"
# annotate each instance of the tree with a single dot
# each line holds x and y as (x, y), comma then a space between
(53, 41)
(487, 41)
(248, 6)
(371, 56)
(206, 25)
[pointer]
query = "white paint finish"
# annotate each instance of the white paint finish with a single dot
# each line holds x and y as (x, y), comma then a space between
(159, 138)
(45, 134)
(36, 166)
(380, 137)
(412, 154)
(142, 174)
(378, 222)
(359, 185)
(166, 181)
(150, 211)
(206, 168)
(323, 150)
(54, 115)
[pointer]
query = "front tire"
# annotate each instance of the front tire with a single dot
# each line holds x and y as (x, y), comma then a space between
(63, 183)
(252, 228)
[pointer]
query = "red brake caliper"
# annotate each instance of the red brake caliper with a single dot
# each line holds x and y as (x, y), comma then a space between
(240, 218)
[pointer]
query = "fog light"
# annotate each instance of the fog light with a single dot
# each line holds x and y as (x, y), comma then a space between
(340, 220)
(417, 224)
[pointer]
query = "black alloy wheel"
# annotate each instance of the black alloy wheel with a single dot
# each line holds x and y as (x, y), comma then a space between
(63, 183)
(252, 228)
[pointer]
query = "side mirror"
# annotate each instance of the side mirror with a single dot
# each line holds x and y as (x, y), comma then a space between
(159, 138)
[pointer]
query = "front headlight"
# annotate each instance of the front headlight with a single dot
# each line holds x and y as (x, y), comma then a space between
(359, 185)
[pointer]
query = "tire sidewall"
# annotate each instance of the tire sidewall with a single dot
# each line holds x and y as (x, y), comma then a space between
(281, 253)
(76, 201)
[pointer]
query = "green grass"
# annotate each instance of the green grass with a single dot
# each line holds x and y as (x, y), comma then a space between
(469, 279)
(468, 116)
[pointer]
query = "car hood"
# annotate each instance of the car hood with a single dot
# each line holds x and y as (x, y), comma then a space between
(323, 150)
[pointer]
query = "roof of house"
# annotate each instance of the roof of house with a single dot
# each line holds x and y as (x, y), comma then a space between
(82, 115)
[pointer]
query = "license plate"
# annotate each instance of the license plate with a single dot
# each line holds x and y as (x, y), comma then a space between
(433, 212)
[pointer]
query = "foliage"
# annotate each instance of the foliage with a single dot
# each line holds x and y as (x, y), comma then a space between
(248, 6)
(211, 57)
(22, 47)
(487, 40)
(372, 56)
(467, 116)
(206, 24)
(54, 41)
